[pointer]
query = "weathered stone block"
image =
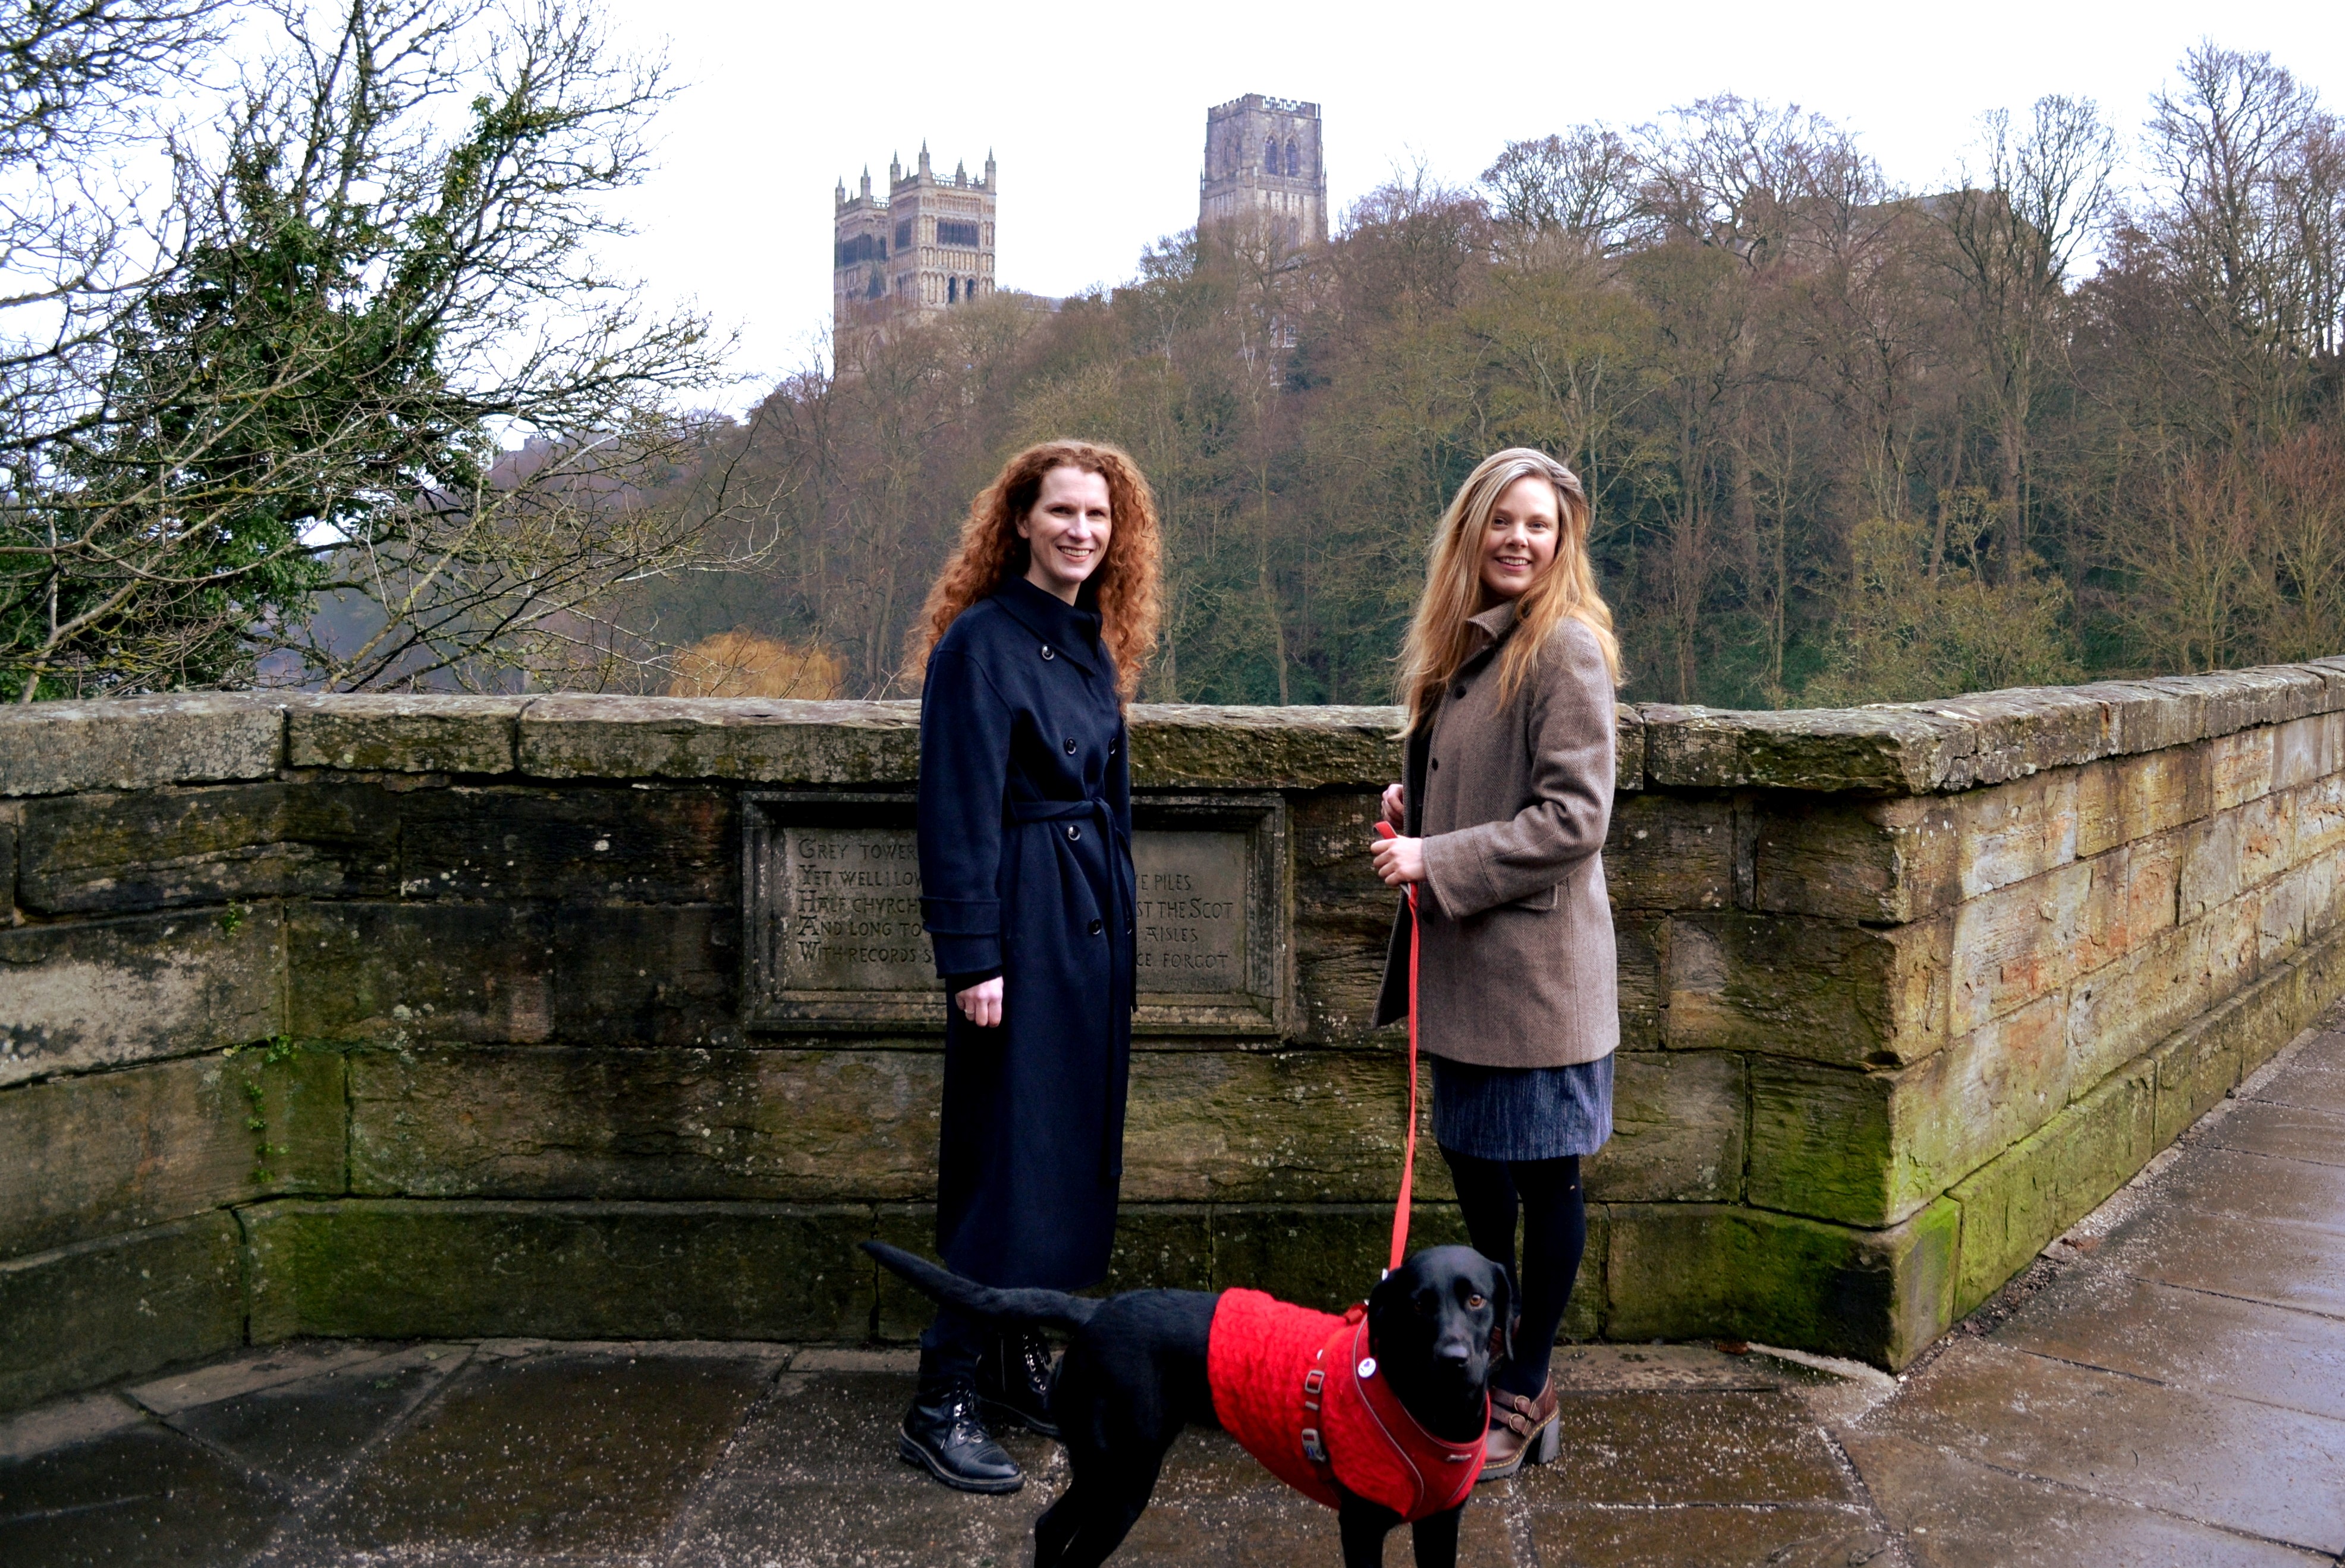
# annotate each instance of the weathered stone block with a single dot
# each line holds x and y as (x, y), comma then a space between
(92, 1154)
(161, 849)
(836, 1125)
(398, 973)
(2045, 1183)
(106, 992)
(2014, 831)
(2141, 716)
(1871, 1148)
(403, 734)
(132, 743)
(636, 974)
(1628, 753)
(1812, 989)
(1175, 745)
(1161, 1247)
(2297, 906)
(1158, 1246)
(2127, 797)
(2242, 767)
(118, 1306)
(771, 740)
(2309, 749)
(1862, 751)
(1671, 853)
(2196, 1068)
(1287, 1126)
(1343, 915)
(676, 844)
(2022, 731)
(2243, 699)
(1676, 1130)
(2117, 1012)
(1890, 860)
(563, 1122)
(2111, 1136)
(411, 972)
(2024, 941)
(1324, 1255)
(394, 1267)
(1683, 1272)
(2320, 816)
(1641, 947)
(11, 815)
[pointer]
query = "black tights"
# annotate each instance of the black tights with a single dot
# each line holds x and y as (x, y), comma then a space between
(1554, 1234)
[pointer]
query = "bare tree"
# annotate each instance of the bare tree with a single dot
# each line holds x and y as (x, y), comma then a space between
(2014, 227)
(371, 293)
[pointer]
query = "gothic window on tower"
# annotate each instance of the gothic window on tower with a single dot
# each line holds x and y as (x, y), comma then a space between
(904, 234)
(953, 290)
(1294, 164)
(963, 235)
(1270, 156)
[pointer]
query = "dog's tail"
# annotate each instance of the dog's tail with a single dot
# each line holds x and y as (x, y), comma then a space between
(1043, 1308)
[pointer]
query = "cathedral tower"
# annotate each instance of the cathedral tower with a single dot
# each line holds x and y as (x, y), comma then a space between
(927, 248)
(1263, 165)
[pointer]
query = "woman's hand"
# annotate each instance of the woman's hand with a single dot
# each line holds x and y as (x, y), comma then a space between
(982, 1004)
(1399, 861)
(1396, 804)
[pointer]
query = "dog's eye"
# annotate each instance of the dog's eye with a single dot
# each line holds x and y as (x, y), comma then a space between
(1476, 1301)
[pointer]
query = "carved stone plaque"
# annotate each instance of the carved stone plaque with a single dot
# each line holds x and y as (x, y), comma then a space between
(833, 916)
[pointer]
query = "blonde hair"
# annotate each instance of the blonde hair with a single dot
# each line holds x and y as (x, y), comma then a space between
(1439, 641)
(1127, 584)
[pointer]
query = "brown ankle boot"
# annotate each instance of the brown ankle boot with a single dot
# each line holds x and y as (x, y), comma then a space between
(1522, 1431)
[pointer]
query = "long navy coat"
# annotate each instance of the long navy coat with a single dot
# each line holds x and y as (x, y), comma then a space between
(1025, 830)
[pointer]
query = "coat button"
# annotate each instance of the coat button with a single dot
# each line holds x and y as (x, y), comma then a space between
(1110, 748)
(1047, 653)
(1458, 690)
(1097, 927)
(1074, 832)
(1436, 765)
(1071, 746)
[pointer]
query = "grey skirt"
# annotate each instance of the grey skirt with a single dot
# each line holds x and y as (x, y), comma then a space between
(1522, 1113)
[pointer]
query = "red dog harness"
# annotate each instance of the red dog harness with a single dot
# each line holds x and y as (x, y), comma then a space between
(1300, 1392)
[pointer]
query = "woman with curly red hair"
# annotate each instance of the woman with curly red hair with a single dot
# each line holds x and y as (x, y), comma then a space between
(1033, 639)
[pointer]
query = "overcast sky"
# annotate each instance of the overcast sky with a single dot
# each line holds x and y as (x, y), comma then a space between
(1097, 114)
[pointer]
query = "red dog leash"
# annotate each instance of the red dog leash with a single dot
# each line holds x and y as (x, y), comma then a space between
(1408, 1157)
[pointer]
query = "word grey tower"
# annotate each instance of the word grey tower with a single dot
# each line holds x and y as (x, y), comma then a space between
(928, 247)
(1264, 170)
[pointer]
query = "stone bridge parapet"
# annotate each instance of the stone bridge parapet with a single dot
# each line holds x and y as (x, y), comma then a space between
(412, 1015)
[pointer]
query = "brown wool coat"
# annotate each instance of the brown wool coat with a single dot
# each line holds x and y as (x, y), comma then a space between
(1513, 801)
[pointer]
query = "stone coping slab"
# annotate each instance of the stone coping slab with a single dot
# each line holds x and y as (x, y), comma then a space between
(1895, 749)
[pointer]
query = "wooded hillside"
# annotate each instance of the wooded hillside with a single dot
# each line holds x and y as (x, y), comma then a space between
(1847, 442)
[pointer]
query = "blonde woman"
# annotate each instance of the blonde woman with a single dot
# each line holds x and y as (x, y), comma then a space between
(1508, 673)
(1033, 639)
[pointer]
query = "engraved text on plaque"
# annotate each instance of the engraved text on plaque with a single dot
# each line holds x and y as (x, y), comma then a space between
(834, 929)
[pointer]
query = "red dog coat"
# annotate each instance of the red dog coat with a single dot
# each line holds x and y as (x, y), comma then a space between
(1299, 1390)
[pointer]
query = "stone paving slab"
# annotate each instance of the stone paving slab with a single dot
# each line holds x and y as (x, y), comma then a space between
(2288, 1132)
(2189, 1338)
(1951, 1512)
(2248, 1467)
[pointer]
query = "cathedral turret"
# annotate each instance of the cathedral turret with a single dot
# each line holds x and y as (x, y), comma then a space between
(923, 246)
(1264, 167)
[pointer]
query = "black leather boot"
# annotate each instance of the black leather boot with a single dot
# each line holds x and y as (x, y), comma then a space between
(944, 1434)
(1013, 1382)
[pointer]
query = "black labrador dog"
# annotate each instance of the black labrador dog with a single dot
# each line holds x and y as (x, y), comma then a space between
(1135, 1373)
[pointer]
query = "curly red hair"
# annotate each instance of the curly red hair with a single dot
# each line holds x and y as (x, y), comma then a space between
(989, 551)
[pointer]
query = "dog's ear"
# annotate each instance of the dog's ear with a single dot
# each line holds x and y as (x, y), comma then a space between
(1502, 1300)
(1393, 1287)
